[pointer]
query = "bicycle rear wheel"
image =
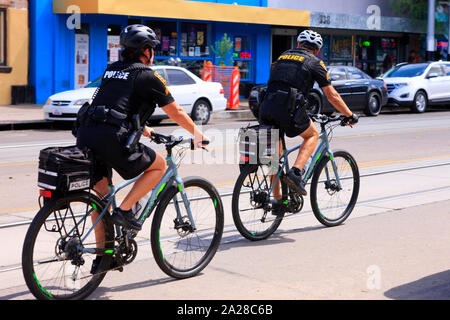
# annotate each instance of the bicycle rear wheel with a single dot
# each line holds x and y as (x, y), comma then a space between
(249, 198)
(180, 250)
(53, 266)
(333, 205)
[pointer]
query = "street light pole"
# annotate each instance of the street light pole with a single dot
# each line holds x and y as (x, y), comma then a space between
(431, 42)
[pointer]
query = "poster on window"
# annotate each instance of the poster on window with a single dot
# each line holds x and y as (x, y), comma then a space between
(81, 60)
(113, 48)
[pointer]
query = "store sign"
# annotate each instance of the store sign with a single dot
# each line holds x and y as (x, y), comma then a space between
(245, 55)
(442, 44)
(113, 48)
(81, 60)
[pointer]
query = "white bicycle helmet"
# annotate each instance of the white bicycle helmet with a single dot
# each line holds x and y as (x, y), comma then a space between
(311, 37)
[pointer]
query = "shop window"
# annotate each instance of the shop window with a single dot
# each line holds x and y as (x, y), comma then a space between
(178, 77)
(2, 36)
(82, 56)
(114, 43)
(341, 48)
(166, 31)
(194, 40)
(242, 54)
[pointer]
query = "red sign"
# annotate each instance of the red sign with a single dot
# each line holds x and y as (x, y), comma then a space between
(245, 55)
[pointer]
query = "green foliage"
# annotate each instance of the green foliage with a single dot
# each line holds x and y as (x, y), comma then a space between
(413, 9)
(222, 50)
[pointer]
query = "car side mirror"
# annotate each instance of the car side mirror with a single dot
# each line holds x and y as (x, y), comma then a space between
(432, 75)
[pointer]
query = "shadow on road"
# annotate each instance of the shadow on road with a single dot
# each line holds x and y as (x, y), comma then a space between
(434, 287)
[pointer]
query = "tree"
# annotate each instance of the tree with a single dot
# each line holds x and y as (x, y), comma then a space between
(413, 9)
(222, 50)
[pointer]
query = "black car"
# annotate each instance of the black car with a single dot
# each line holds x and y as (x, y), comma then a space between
(359, 91)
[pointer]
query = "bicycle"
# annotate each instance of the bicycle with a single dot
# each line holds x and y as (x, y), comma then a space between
(60, 243)
(333, 193)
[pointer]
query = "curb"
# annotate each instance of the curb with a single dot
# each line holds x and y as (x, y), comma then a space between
(233, 114)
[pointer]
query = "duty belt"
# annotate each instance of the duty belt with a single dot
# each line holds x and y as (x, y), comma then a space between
(103, 114)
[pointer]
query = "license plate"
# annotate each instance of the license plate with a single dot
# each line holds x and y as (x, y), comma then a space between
(57, 112)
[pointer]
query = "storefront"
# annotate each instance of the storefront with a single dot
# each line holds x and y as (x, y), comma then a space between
(188, 31)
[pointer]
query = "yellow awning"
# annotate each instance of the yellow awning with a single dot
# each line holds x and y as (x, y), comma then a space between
(189, 10)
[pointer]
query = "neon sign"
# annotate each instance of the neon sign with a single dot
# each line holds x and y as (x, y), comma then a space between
(245, 55)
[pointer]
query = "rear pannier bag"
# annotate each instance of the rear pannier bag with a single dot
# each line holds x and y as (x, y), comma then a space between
(257, 144)
(65, 169)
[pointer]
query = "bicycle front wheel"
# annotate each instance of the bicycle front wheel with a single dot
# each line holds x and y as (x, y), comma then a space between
(250, 194)
(54, 266)
(332, 204)
(181, 247)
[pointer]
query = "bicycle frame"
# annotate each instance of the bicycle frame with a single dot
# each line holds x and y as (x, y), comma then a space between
(322, 150)
(171, 176)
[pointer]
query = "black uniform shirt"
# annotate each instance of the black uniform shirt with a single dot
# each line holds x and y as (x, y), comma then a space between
(132, 88)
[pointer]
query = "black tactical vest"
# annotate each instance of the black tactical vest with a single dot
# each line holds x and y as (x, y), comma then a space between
(117, 89)
(291, 70)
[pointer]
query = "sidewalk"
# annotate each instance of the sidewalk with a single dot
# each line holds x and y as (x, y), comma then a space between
(11, 115)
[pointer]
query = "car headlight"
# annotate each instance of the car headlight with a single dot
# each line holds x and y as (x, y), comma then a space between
(401, 85)
(49, 102)
(254, 94)
(80, 102)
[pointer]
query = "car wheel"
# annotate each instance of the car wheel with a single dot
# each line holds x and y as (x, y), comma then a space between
(315, 103)
(201, 112)
(420, 102)
(373, 107)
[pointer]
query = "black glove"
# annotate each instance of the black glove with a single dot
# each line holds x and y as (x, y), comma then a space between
(350, 121)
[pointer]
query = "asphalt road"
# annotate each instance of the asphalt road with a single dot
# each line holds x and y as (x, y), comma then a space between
(392, 247)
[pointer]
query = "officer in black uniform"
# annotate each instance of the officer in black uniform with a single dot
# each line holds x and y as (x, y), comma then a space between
(129, 88)
(284, 105)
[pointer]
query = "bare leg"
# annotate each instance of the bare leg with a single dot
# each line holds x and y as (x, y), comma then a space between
(102, 188)
(145, 183)
(277, 189)
(310, 137)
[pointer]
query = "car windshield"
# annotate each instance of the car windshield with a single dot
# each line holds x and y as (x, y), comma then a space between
(406, 70)
(95, 83)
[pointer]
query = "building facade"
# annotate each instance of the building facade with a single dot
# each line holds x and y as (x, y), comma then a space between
(73, 41)
(13, 47)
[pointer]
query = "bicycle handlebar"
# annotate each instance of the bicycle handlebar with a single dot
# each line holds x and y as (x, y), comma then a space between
(171, 141)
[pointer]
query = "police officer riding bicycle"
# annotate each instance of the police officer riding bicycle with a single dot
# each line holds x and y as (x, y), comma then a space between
(112, 125)
(284, 105)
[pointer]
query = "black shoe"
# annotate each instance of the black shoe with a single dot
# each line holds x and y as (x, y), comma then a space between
(95, 264)
(295, 181)
(279, 208)
(125, 219)
(97, 261)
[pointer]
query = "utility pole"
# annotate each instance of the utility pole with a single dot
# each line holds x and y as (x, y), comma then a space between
(431, 42)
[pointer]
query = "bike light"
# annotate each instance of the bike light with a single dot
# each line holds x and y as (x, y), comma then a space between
(45, 193)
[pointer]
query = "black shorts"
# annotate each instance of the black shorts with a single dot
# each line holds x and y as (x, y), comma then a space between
(276, 115)
(107, 142)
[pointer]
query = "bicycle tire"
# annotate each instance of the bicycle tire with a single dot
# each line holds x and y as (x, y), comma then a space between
(346, 164)
(41, 270)
(209, 220)
(249, 227)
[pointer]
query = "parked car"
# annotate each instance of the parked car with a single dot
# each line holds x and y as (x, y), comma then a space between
(197, 97)
(359, 91)
(418, 85)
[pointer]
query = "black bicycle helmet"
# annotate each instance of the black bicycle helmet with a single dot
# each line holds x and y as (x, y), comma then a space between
(137, 36)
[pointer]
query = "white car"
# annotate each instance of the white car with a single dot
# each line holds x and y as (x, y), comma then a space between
(417, 85)
(197, 97)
